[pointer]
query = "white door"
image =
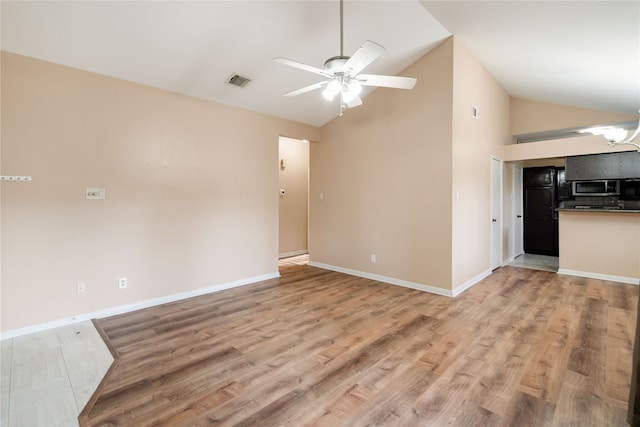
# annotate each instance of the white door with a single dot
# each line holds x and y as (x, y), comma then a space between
(517, 212)
(496, 213)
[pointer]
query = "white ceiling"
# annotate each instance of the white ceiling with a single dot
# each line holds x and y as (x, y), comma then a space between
(582, 53)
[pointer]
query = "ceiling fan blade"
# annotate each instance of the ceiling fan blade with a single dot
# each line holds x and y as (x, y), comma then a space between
(307, 89)
(355, 102)
(396, 82)
(300, 65)
(364, 56)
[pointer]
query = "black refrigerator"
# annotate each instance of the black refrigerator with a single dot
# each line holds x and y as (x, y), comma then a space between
(540, 216)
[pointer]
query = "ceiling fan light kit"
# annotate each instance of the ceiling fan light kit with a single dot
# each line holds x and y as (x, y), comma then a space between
(348, 89)
(343, 74)
(332, 89)
(616, 135)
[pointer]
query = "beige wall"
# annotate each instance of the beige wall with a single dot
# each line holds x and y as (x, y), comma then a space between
(407, 176)
(553, 161)
(385, 171)
(192, 192)
(592, 144)
(533, 116)
(294, 179)
(474, 142)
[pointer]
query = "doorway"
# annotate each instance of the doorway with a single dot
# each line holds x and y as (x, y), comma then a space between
(538, 188)
(293, 210)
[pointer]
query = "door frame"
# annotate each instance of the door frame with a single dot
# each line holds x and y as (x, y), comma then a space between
(282, 167)
(496, 215)
(517, 180)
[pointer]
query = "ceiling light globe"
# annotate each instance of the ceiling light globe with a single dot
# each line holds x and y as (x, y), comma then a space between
(347, 96)
(328, 95)
(355, 87)
(615, 134)
(333, 88)
(350, 91)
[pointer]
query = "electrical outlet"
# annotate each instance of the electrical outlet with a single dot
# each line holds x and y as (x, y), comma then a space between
(374, 259)
(95, 194)
(122, 282)
(81, 288)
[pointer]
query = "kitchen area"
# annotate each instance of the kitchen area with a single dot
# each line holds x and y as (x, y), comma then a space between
(587, 214)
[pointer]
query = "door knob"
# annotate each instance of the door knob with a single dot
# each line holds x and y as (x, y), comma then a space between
(494, 220)
(518, 216)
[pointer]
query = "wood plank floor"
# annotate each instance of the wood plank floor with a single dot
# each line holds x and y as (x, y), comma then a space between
(320, 348)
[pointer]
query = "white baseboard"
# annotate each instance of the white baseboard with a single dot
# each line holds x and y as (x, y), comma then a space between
(385, 279)
(135, 306)
(621, 279)
(294, 253)
(508, 261)
(469, 283)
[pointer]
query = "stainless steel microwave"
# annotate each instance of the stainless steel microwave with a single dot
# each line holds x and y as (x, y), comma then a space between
(602, 187)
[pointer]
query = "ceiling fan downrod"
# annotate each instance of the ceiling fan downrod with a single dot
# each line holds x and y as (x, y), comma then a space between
(336, 63)
(341, 28)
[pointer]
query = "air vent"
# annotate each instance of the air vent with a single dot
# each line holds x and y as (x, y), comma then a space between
(238, 80)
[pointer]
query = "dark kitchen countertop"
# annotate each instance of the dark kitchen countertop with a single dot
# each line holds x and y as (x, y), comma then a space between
(598, 209)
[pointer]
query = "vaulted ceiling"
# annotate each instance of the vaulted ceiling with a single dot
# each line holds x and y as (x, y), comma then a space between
(580, 53)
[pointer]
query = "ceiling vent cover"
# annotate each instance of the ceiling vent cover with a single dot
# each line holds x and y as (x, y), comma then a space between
(238, 80)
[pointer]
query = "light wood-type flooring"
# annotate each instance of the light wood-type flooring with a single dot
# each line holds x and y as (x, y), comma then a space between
(320, 348)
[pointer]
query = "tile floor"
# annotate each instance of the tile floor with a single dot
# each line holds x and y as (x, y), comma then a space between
(536, 262)
(48, 377)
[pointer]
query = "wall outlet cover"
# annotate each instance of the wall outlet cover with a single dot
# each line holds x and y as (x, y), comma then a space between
(95, 194)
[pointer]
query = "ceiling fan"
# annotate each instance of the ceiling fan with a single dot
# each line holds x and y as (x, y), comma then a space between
(343, 73)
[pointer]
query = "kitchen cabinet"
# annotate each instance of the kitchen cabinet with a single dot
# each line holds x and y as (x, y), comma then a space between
(630, 189)
(603, 166)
